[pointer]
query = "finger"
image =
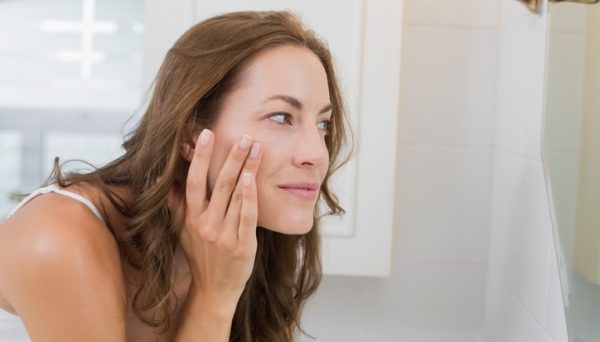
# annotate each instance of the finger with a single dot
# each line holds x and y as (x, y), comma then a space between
(228, 177)
(249, 211)
(195, 190)
(232, 217)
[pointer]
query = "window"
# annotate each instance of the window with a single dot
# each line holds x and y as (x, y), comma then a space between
(70, 77)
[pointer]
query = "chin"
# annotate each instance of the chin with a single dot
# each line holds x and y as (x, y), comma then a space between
(288, 227)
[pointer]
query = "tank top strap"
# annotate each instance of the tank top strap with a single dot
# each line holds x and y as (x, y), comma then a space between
(55, 188)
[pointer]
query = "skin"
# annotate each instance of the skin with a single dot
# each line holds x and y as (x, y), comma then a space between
(294, 148)
(69, 284)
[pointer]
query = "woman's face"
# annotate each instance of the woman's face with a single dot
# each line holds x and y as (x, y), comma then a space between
(282, 101)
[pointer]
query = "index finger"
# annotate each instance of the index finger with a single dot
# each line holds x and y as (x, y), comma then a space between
(195, 189)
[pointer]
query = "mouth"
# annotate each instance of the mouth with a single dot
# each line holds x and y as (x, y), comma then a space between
(303, 191)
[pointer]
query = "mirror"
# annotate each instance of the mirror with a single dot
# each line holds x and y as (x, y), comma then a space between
(571, 158)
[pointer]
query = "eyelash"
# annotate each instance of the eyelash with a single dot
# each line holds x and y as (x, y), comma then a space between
(289, 117)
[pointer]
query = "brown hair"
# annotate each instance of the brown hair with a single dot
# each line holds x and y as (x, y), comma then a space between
(202, 66)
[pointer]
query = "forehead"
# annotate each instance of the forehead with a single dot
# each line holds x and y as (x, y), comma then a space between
(290, 70)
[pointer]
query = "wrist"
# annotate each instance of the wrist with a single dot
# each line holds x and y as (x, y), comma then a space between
(205, 318)
(218, 305)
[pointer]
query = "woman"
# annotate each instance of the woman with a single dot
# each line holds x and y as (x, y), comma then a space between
(206, 228)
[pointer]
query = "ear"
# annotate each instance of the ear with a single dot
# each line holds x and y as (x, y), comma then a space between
(186, 150)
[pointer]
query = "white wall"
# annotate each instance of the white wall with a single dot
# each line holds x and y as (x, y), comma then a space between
(469, 172)
(437, 288)
(523, 298)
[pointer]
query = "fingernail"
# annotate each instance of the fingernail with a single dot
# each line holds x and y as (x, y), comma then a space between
(204, 136)
(246, 140)
(247, 179)
(255, 150)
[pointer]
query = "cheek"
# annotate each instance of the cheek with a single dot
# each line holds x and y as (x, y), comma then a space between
(276, 211)
(262, 184)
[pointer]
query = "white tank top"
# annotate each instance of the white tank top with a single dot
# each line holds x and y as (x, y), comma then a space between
(11, 326)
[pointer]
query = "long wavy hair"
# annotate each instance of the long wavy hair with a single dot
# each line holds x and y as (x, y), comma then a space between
(197, 72)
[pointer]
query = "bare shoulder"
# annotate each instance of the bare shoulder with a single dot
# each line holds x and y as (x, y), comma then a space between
(61, 268)
(53, 225)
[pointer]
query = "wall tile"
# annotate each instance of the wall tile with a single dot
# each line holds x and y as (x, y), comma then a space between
(463, 13)
(514, 15)
(506, 320)
(562, 168)
(448, 86)
(520, 229)
(443, 203)
(519, 102)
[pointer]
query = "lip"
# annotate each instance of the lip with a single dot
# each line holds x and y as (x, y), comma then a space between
(304, 191)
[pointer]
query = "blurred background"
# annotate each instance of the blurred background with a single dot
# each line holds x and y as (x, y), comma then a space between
(472, 255)
(70, 76)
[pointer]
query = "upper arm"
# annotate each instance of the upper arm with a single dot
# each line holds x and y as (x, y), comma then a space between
(65, 280)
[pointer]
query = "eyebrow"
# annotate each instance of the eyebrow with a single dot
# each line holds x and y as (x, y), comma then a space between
(294, 102)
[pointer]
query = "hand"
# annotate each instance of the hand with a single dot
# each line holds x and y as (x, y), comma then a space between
(219, 236)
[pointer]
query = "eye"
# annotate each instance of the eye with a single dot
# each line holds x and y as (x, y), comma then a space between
(324, 126)
(281, 117)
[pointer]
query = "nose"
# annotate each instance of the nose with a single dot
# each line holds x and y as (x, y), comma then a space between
(311, 150)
